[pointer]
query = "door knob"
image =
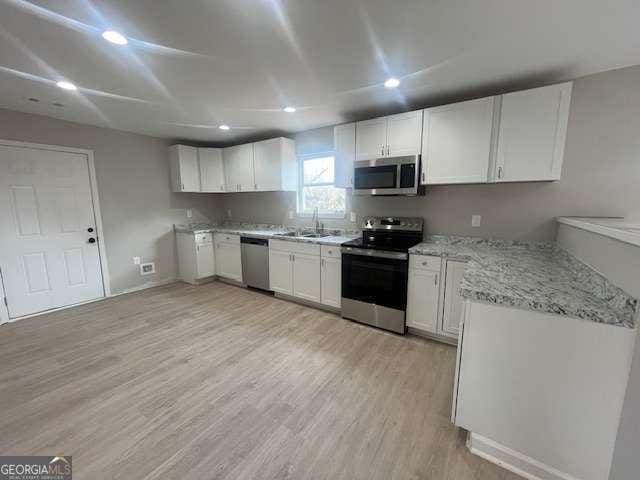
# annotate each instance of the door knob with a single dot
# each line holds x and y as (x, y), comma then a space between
(90, 229)
(92, 240)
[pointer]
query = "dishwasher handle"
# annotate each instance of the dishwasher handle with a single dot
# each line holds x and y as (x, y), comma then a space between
(255, 241)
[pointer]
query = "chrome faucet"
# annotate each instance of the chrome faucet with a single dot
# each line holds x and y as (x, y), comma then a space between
(315, 220)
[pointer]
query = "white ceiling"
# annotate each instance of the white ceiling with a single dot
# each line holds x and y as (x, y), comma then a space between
(191, 65)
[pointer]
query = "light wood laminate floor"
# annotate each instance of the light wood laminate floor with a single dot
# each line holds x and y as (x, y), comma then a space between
(221, 382)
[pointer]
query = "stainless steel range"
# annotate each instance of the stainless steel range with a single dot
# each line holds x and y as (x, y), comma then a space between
(375, 271)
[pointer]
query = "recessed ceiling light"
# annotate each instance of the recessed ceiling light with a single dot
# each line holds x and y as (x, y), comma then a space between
(391, 82)
(66, 85)
(289, 109)
(224, 127)
(114, 37)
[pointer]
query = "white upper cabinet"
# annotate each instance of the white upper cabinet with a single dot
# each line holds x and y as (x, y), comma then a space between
(185, 173)
(238, 168)
(211, 170)
(274, 163)
(404, 132)
(456, 142)
(344, 139)
(533, 128)
(371, 138)
(391, 136)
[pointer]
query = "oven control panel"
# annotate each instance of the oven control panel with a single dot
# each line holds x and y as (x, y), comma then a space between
(407, 224)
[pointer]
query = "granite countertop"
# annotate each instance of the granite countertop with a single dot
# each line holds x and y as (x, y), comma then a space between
(533, 276)
(267, 231)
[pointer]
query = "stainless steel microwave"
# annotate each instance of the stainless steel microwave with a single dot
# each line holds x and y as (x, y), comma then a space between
(387, 176)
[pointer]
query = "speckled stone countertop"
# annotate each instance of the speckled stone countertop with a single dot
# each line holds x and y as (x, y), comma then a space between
(267, 231)
(533, 276)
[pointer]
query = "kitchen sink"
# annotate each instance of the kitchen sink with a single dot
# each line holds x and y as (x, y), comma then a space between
(315, 235)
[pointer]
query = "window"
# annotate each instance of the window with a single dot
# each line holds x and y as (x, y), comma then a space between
(317, 190)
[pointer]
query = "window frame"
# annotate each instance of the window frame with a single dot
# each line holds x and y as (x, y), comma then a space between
(311, 156)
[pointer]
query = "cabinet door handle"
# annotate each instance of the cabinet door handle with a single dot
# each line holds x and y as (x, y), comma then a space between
(293, 257)
(387, 150)
(423, 177)
(435, 279)
(499, 172)
(322, 263)
(382, 150)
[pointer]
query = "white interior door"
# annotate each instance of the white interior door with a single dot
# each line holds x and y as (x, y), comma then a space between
(46, 211)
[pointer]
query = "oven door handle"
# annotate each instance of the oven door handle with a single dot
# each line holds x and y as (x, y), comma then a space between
(365, 252)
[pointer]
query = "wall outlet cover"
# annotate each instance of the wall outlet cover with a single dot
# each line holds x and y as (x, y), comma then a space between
(352, 216)
(137, 260)
(476, 220)
(189, 213)
(147, 268)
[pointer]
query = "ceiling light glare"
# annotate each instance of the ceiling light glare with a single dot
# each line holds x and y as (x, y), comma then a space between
(289, 109)
(66, 85)
(392, 83)
(224, 127)
(114, 37)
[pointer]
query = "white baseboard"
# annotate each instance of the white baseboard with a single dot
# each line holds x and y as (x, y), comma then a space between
(144, 286)
(513, 461)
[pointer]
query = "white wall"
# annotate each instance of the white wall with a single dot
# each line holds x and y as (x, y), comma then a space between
(138, 208)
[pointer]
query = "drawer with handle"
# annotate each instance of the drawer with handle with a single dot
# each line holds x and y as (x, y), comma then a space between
(425, 262)
(227, 238)
(330, 251)
(203, 237)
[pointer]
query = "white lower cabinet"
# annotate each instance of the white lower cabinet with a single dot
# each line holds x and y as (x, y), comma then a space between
(309, 272)
(452, 312)
(435, 306)
(227, 251)
(331, 276)
(422, 300)
(280, 271)
(196, 258)
(306, 276)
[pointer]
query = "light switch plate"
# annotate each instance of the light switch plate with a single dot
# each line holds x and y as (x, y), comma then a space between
(137, 260)
(189, 213)
(352, 216)
(476, 220)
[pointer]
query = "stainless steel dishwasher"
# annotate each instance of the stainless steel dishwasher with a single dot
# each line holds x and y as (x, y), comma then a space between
(255, 262)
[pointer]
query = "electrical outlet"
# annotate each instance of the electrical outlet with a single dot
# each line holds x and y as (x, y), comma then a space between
(290, 214)
(189, 213)
(352, 216)
(229, 213)
(476, 220)
(137, 260)
(147, 268)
